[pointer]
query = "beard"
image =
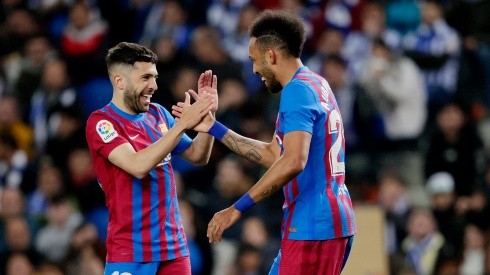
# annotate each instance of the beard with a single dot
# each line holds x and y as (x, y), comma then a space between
(271, 82)
(132, 100)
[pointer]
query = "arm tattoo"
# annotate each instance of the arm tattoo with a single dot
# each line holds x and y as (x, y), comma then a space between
(269, 192)
(234, 145)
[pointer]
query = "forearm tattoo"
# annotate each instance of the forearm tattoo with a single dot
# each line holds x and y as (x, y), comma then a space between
(269, 192)
(236, 143)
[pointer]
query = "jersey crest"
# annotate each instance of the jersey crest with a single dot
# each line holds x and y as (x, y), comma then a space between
(106, 130)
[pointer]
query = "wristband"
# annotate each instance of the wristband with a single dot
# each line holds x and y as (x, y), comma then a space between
(244, 203)
(218, 130)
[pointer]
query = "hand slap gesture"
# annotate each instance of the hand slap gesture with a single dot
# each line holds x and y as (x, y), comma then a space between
(191, 115)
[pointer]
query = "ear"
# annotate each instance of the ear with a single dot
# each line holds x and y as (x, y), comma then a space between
(118, 81)
(271, 56)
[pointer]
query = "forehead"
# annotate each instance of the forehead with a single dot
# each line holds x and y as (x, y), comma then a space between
(144, 67)
(253, 48)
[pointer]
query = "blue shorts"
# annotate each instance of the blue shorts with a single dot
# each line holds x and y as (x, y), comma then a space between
(178, 266)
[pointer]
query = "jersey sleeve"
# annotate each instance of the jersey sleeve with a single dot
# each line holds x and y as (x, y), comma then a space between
(298, 108)
(102, 133)
(185, 142)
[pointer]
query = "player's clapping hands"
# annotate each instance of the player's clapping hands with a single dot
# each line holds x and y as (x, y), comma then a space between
(207, 84)
(191, 115)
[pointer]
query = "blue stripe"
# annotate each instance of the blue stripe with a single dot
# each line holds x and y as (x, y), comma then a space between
(154, 201)
(343, 217)
(178, 220)
(137, 220)
(149, 131)
(168, 232)
(154, 218)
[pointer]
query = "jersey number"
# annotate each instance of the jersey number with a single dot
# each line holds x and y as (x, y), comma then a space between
(335, 126)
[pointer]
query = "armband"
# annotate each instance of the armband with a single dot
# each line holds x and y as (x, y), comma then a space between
(218, 130)
(244, 203)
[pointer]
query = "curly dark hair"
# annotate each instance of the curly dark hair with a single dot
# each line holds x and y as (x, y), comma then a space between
(129, 53)
(278, 28)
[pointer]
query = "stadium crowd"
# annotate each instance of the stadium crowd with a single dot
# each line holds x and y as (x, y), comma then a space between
(411, 78)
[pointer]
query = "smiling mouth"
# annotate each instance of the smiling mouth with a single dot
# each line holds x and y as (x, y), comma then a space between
(147, 98)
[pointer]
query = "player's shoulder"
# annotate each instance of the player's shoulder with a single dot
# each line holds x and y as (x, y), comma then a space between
(98, 115)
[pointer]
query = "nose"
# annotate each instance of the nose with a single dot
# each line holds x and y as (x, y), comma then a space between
(153, 84)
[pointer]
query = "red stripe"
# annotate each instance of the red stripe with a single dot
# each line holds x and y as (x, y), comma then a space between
(175, 228)
(347, 212)
(162, 214)
(337, 223)
(145, 220)
(291, 205)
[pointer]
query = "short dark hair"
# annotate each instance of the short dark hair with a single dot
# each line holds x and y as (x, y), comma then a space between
(129, 53)
(281, 29)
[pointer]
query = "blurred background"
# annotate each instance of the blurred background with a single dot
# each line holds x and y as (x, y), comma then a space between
(412, 80)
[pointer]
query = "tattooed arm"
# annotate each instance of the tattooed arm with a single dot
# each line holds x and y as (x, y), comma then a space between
(289, 165)
(296, 146)
(256, 151)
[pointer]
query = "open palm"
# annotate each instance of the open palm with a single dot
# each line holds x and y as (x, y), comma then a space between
(209, 83)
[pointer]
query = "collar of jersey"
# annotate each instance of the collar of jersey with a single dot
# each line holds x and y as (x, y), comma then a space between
(300, 69)
(127, 116)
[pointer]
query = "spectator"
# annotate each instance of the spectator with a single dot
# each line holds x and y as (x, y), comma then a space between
(19, 264)
(248, 261)
(435, 48)
(224, 15)
(53, 240)
(440, 187)
(395, 202)
(66, 134)
(358, 44)
(83, 42)
(11, 122)
(20, 25)
(171, 60)
(468, 18)
(25, 72)
(474, 251)
(456, 147)
(54, 93)
(236, 46)
(331, 42)
(18, 236)
(167, 18)
(334, 69)
(208, 52)
(13, 161)
(87, 252)
(425, 246)
(256, 234)
(49, 183)
(394, 85)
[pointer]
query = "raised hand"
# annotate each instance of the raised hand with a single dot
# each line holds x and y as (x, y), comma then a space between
(207, 121)
(209, 83)
(192, 114)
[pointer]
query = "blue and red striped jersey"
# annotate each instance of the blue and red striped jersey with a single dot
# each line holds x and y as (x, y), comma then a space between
(317, 203)
(144, 221)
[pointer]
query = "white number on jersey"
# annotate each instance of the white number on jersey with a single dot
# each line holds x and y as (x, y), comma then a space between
(335, 126)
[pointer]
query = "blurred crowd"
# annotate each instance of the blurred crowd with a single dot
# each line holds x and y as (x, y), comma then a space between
(412, 80)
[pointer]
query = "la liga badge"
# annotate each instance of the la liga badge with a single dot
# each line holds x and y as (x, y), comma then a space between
(106, 130)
